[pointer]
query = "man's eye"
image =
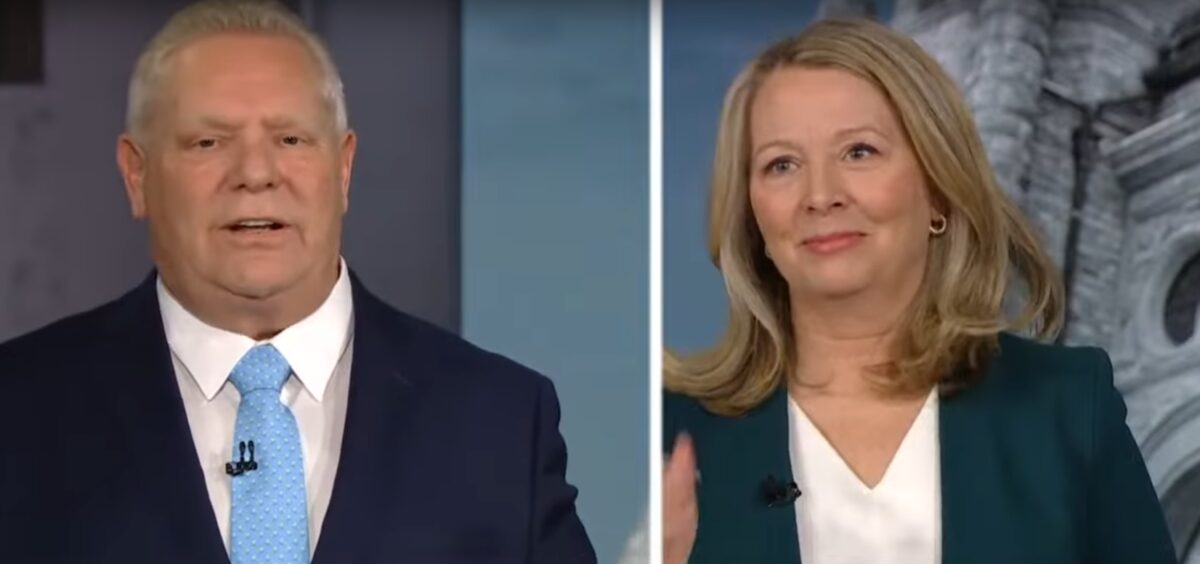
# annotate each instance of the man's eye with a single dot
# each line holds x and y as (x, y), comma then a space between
(291, 140)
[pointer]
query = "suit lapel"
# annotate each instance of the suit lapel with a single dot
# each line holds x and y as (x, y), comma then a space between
(736, 525)
(967, 467)
(380, 396)
(978, 513)
(168, 492)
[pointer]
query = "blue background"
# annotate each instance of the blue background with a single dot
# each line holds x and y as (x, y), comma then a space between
(555, 226)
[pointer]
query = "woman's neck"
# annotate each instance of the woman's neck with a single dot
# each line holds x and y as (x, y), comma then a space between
(837, 344)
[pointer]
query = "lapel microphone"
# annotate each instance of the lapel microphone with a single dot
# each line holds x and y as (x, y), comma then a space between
(776, 493)
(242, 465)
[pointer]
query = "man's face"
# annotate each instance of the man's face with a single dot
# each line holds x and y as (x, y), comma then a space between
(241, 172)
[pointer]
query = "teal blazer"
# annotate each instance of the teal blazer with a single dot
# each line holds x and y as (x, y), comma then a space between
(1037, 466)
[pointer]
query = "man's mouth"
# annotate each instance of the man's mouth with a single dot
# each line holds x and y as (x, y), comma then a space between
(255, 225)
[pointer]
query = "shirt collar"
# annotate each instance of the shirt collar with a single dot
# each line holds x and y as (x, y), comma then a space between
(312, 346)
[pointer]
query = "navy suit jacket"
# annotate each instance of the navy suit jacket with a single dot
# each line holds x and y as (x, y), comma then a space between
(450, 454)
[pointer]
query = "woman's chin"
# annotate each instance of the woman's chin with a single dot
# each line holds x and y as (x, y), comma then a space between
(835, 288)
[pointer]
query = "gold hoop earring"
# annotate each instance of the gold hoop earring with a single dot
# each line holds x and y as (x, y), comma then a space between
(938, 225)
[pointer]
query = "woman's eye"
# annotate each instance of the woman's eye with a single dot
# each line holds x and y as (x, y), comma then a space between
(860, 151)
(780, 166)
(291, 140)
(206, 143)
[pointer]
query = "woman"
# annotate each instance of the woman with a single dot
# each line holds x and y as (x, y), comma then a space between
(868, 403)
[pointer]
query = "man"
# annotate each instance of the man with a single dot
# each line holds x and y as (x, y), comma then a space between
(251, 399)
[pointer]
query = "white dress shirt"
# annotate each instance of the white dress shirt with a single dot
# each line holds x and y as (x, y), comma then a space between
(842, 521)
(318, 348)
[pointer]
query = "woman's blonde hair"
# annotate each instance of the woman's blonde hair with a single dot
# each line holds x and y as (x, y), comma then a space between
(951, 328)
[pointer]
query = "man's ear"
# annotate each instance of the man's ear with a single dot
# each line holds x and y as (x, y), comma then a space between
(131, 159)
(346, 165)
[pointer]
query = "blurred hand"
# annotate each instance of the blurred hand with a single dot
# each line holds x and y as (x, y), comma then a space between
(680, 513)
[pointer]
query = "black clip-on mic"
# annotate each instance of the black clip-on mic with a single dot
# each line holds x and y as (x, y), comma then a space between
(778, 494)
(242, 465)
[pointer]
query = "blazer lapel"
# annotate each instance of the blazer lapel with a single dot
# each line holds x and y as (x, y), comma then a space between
(968, 468)
(165, 490)
(380, 397)
(736, 457)
(979, 515)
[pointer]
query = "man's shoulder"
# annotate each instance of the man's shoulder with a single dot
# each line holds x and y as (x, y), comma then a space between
(61, 339)
(451, 355)
(51, 358)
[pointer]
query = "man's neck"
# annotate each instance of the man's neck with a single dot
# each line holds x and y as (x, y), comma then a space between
(259, 318)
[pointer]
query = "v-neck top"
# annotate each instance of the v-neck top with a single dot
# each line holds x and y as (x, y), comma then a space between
(842, 521)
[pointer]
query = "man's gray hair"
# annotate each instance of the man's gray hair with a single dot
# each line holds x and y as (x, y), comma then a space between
(217, 16)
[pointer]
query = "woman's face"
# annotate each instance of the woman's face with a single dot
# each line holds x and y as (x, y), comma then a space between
(835, 187)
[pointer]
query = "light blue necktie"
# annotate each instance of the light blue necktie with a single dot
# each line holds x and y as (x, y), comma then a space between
(269, 518)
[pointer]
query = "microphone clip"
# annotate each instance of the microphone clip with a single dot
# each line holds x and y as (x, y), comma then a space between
(242, 465)
(776, 493)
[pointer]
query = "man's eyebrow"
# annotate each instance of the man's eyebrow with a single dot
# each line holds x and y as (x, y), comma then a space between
(218, 123)
(280, 122)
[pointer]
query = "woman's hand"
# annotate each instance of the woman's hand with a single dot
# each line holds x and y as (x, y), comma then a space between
(680, 512)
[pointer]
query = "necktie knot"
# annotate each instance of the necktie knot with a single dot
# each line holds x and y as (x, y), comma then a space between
(263, 368)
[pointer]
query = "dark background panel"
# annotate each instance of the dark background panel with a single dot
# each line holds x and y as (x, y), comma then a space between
(21, 43)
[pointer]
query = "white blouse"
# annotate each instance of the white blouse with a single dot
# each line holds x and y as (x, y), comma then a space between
(842, 521)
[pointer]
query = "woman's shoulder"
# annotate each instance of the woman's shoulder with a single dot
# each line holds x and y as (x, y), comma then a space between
(1044, 381)
(1024, 362)
(675, 403)
(681, 412)
(1020, 348)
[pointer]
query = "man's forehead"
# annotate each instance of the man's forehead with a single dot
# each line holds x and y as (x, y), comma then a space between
(231, 79)
(224, 54)
(220, 70)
